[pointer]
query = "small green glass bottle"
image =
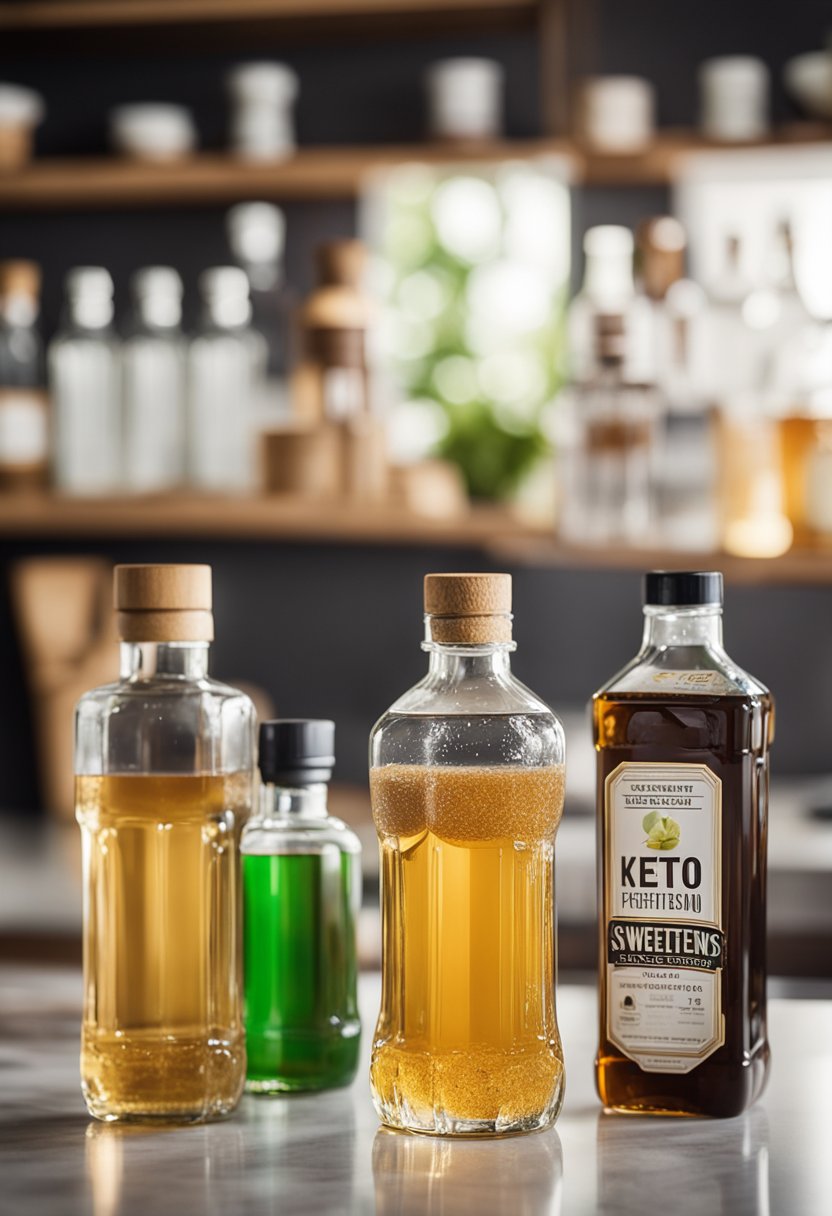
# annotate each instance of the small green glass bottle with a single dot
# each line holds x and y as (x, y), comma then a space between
(301, 896)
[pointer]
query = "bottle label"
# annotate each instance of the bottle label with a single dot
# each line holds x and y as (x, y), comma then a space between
(706, 683)
(665, 945)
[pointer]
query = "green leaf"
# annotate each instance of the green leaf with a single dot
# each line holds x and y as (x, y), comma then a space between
(649, 821)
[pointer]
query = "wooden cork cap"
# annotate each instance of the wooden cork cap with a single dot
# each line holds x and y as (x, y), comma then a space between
(469, 609)
(163, 603)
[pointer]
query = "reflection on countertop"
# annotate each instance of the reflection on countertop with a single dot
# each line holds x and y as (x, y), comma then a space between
(309, 1154)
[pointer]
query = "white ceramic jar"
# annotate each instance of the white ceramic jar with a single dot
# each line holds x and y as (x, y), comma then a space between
(152, 131)
(465, 98)
(617, 113)
(262, 120)
(734, 98)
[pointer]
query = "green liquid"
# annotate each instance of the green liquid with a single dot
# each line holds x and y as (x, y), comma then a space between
(301, 1011)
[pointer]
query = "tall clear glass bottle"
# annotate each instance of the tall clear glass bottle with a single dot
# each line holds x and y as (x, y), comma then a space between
(223, 361)
(682, 737)
(467, 786)
(301, 895)
(153, 357)
(163, 762)
(84, 377)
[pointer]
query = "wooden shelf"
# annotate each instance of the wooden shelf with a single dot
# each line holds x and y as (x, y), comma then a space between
(24, 15)
(658, 164)
(799, 567)
(45, 516)
(329, 172)
(207, 178)
(492, 530)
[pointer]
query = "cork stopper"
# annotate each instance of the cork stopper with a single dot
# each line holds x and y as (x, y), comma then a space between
(163, 603)
(468, 609)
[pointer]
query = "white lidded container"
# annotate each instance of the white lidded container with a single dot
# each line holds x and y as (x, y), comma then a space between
(85, 386)
(617, 113)
(262, 120)
(465, 98)
(734, 98)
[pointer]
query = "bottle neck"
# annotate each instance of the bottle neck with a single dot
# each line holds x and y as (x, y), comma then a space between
(671, 626)
(453, 664)
(147, 660)
(301, 801)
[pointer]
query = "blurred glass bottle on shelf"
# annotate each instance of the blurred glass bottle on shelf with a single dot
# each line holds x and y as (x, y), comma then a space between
(609, 289)
(164, 770)
(607, 446)
(683, 453)
(153, 357)
(752, 521)
(84, 378)
(301, 899)
(24, 411)
(257, 234)
(223, 359)
(799, 396)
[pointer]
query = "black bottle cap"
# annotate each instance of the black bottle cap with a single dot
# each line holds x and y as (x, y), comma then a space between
(297, 751)
(682, 588)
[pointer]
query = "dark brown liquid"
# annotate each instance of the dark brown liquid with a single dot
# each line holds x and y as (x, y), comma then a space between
(731, 735)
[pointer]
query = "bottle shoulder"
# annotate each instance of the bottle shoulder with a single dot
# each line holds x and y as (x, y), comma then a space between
(683, 670)
(291, 834)
(161, 688)
(435, 696)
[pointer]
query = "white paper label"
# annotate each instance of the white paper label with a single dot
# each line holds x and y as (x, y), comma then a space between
(663, 913)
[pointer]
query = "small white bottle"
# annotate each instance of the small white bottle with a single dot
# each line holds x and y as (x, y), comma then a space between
(222, 378)
(154, 383)
(84, 380)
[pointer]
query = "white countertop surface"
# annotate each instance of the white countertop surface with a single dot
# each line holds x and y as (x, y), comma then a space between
(322, 1154)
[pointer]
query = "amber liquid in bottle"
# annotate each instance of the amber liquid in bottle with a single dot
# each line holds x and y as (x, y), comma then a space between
(162, 1032)
(730, 735)
(467, 1032)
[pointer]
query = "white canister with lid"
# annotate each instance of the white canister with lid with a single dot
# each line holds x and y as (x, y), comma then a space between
(617, 113)
(262, 120)
(465, 98)
(734, 98)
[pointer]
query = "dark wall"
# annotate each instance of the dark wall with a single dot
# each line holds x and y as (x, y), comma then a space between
(335, 632)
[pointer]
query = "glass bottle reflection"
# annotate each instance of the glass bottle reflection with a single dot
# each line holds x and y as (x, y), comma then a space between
(421, 1176)
(680, 1159)
(129, 1165)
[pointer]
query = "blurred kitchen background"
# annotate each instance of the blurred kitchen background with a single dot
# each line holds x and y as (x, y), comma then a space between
(330, 293)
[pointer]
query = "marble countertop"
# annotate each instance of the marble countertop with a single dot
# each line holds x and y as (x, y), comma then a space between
(325, 1154)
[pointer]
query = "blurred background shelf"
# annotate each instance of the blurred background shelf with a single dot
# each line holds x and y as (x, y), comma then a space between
(496, 531)
(215, 178)
(107, 14)
(332, 172)
(798, 567)
(267, 518)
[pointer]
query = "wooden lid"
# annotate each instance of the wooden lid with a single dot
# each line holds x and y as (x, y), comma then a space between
(469, 609)
(163, 603)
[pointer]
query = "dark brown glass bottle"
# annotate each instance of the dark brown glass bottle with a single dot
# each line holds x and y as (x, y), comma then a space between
(682, 739)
